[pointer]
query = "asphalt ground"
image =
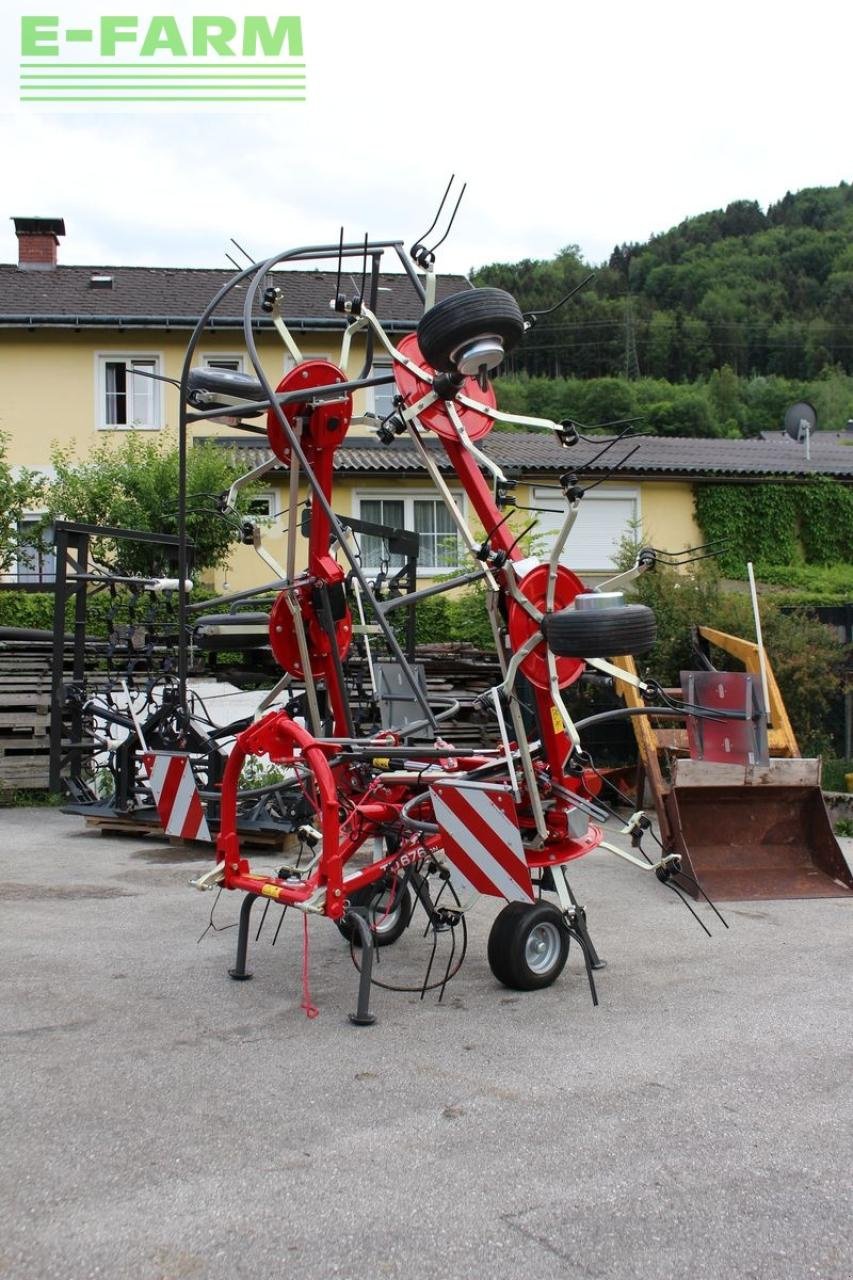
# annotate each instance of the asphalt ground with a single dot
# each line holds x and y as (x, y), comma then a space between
(161, 1121)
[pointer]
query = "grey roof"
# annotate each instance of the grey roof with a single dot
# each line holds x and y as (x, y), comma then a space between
(532, 453)
(821, 440)
(174, 297)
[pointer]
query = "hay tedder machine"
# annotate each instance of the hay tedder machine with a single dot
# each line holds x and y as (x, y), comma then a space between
(401, 822)
(396, 831)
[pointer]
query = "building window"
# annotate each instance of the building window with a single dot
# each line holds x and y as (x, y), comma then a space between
(605, 517)
(427, 516)
(234, 364)
(382, 397)
(36, 560)
(262, 506)
(374, 551)
(128, 397)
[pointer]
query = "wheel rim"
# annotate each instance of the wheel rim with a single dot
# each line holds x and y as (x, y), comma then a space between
(543, 946)
(381, 923)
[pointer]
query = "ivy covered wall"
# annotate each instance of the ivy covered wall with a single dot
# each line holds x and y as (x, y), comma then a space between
(778, 524)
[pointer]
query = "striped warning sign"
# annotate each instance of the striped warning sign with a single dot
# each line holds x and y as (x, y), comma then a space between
(482, 839)
(176, 796)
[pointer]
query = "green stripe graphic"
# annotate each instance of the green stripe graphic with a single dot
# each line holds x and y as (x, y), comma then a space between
(181, 80)
(168, 76)
(100, 97)
(104, 64)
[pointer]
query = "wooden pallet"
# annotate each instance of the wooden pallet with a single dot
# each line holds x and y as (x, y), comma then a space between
(25, 688)
(25, 772)
(280, 841)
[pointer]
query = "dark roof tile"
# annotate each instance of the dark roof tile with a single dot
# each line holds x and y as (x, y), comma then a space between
(532, 453)
(177, 295)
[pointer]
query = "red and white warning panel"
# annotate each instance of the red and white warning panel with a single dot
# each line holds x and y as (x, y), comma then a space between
(176, 795)
(482, 839)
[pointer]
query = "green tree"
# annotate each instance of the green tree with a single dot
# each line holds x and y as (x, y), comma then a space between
(132, 483)
(685, 415)
(606, 400)
(724, 395)
(765, 400)
(765, 294)
(657, 348)
(831, 393)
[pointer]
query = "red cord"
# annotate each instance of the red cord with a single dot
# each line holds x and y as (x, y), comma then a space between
(311, 1010)
(386, 913)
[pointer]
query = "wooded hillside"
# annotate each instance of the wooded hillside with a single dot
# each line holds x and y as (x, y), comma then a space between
(762, 292)
(737, 295)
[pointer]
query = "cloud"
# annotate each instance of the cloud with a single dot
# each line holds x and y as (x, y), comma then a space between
(588, 127)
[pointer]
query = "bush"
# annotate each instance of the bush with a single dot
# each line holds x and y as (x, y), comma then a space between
(431, 620)
(132, 483)
(35, 609)
(26, 609)
(807, 657)
(807, 584)
(443, 618)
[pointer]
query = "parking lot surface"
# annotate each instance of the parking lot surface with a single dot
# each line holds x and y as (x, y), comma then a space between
(160, 1121)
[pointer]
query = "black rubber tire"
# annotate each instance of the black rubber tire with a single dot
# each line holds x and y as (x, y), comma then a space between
(386, 929)
(464, 316)
(601, 633)
(528, 946)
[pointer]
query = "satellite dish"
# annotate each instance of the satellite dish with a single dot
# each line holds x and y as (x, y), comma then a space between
(800, 420)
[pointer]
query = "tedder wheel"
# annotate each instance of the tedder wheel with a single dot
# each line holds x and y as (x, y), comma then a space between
(386, 925)
(464, 316)
(601, 633)
(528, 945)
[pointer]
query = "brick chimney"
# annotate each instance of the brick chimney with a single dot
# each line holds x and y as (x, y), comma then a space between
(37, 242)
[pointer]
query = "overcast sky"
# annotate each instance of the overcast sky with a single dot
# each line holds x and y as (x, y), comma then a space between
(573, 124)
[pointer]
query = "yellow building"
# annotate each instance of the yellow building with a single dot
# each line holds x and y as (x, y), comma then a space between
(70, 338)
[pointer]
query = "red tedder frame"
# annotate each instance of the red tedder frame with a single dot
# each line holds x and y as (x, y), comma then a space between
(375, 830)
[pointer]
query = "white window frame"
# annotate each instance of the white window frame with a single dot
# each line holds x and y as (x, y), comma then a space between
(267, 496)
(380, 365)
(547, 499)
(102, 358)
(14, 570)
(213, 360)
(409, 497)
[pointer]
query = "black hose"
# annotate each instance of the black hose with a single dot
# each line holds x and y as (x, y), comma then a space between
(415, 824)
(620, 713)
(665, 713)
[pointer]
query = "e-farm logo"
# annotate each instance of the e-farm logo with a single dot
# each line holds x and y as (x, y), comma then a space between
(198, 59)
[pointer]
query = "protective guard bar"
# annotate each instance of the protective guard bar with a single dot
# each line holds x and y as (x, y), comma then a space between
(301, 254)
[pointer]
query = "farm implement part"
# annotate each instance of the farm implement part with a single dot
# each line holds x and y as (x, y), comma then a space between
(116, 712)
(402, 826)
(743, 812)
(118, 718)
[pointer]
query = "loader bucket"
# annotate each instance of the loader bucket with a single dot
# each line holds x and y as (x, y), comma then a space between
(755, 833)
